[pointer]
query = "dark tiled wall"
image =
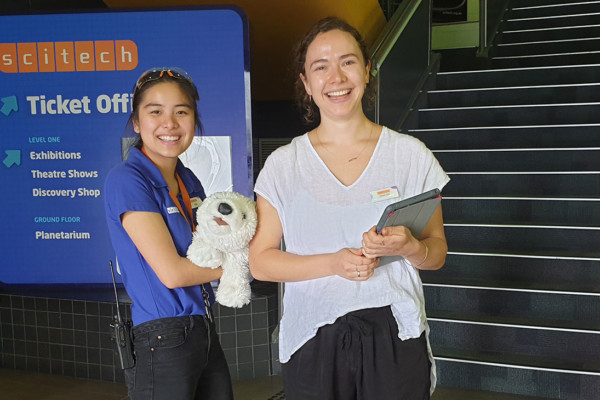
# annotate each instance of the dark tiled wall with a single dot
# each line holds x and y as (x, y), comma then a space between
(73, 337)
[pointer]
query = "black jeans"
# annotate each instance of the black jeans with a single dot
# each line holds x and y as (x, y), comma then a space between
(178, 358)
(359, 357)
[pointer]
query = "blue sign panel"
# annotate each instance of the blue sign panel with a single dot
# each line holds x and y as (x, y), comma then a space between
(65, 90)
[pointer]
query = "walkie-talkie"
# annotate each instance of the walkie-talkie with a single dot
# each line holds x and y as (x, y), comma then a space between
(121, 331)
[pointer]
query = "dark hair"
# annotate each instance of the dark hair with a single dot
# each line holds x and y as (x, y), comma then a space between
(303, 100)
(157, 75)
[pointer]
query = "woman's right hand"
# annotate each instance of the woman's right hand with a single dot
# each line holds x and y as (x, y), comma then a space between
(353, 265)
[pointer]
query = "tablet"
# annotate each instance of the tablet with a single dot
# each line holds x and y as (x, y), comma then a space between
(414, 212)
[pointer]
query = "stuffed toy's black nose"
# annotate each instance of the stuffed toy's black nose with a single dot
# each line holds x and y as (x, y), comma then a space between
(225, 209)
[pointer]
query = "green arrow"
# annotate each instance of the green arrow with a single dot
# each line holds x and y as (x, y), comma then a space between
(12, 157)
(10, 104)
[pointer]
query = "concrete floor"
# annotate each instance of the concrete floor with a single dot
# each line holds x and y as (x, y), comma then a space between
(23, 385)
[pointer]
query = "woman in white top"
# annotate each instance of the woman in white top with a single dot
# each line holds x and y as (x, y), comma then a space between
(353, 324)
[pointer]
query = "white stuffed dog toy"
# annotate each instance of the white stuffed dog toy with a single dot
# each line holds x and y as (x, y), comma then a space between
(226, 224)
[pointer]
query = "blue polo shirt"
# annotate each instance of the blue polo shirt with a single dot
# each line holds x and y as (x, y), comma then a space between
(137, 185)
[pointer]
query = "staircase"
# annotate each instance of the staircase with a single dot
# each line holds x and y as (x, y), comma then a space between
(516, 309)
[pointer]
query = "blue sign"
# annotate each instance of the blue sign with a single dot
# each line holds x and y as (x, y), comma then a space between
(65, 90)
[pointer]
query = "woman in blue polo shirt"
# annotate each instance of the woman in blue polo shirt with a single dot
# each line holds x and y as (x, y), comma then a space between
(150, 202)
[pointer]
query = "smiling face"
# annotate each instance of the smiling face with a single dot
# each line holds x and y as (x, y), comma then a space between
(165, 121)
(335, 74)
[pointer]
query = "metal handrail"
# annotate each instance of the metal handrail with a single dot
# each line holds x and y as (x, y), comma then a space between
(391, 33)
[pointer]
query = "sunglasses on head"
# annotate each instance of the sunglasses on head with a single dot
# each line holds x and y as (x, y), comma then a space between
(158, 73)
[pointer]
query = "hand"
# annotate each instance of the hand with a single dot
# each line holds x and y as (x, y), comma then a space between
(353, 265)
(393, 241)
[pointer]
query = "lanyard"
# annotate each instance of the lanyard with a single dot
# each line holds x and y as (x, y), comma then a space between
(186, 201)
(184, 194)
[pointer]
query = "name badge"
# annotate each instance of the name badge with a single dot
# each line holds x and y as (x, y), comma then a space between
(384, 194)
(172, 210)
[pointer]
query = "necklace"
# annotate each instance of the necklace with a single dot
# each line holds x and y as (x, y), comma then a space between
(351, 158)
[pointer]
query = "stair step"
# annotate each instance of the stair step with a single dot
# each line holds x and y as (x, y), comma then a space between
(522, 239)
(547, 34)
(541, 10)
(519, 273)
(520, 95)
(517, 160)
(517, 344)
(478, 137)
(518, 115)
(542, 48)
(523, 185)
(541, 308)
(491, 78)
(535, 211)
(551, 22)
(545, 60)
(519, 380)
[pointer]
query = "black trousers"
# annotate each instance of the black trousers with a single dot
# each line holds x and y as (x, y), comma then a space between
(178, 358)
(359, 357)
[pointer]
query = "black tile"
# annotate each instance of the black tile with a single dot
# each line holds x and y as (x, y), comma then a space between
(55, 352)
(41, 318)
(44, 365)
(67, 337)
(260, 320)
(228, 340)
(259, 305)
(107, 310)
(54, 336)
(94, 372)
(43, 335)
(5, 315)
(260, 336)
(66, 321)
(69, 368)
(244, 355)
(246, 370)
(80, 354)
(43, 350)
(81, 370)
(17, 316)
(41, 304)
(230, 356)
(261, 353)
(79, 322)
(16, 302)
(247, 309)
(19, 332)
(79, 307)
(92, 308)
(243, 322)
(227, 324)
(262, 369)
(56, 366)
(68, 353)
(54, 319)
(80, 338)
(29, 318)
(28, 303)
(66, 306)
(7, 331)
(20, 348)
(107, 373)
(53, 305)
(93, 339)
(107, 357)
(31, 334)
(92, 323)
(93, 356)
(244, 338)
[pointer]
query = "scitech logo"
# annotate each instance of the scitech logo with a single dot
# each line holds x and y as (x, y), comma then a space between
(98, 55)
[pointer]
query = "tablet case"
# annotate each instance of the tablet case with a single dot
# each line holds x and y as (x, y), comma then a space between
(414, 212)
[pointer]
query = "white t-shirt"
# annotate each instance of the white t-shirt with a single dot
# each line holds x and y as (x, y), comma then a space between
(321, 215)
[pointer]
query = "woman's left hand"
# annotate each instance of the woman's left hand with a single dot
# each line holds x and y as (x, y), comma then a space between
(397, 241)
